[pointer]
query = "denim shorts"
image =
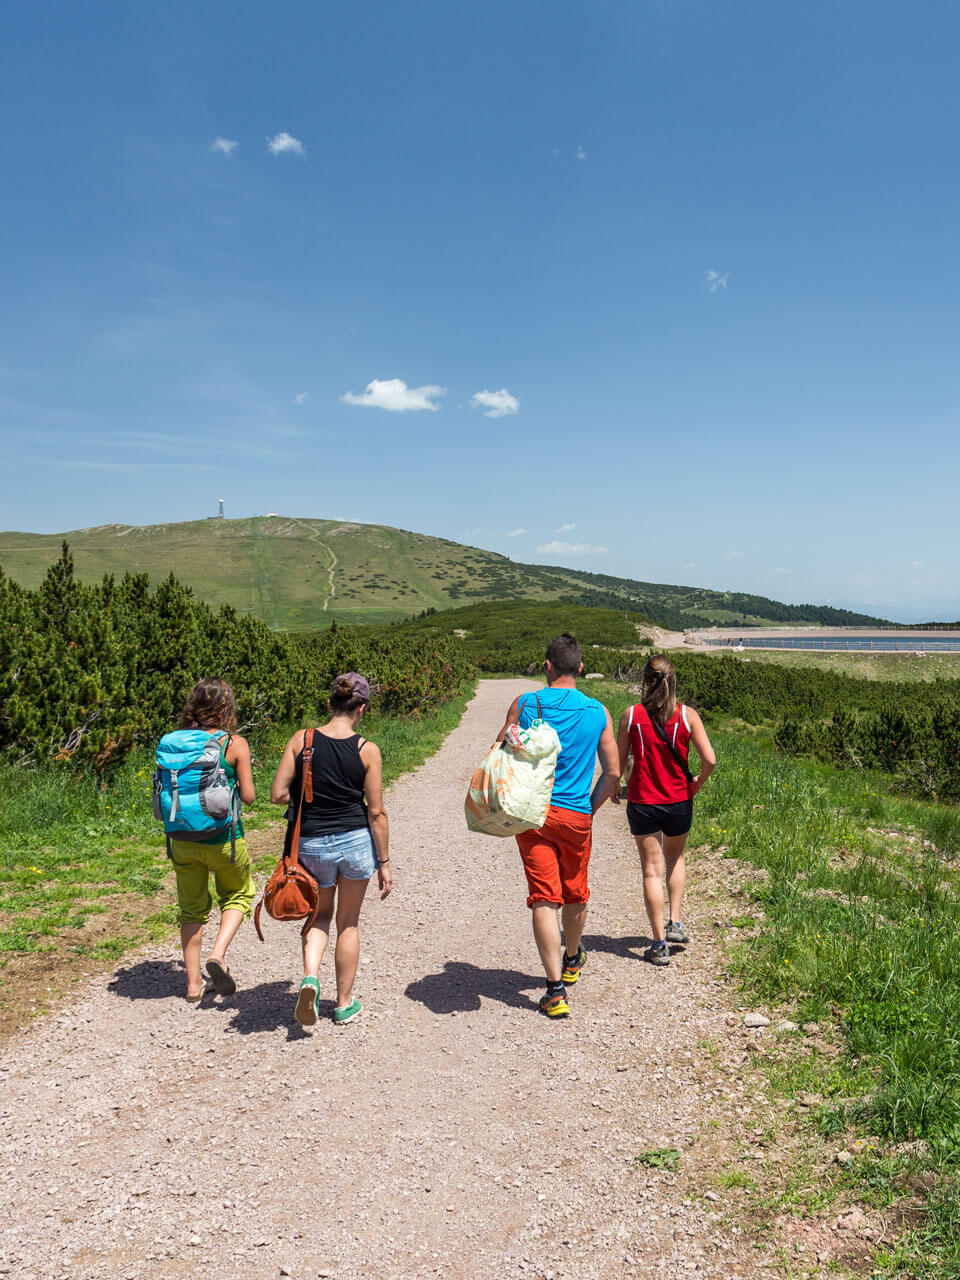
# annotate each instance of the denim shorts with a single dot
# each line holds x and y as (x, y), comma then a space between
(349, 854)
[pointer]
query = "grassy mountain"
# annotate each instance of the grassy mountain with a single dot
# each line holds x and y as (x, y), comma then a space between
(299, 574)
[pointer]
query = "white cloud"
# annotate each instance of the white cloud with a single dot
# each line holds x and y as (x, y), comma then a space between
(571, 549)
(733, 555)
(300, 397)
(581, 154)
(567, 528)
(690, 565)
(915, 564)
(226, 145)
(717, 280)
(514, 533)
(783, 571)
(394, 395)
(281, 142)
(496, 403)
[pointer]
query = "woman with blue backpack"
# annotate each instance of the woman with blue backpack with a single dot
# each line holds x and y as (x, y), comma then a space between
(203, 774)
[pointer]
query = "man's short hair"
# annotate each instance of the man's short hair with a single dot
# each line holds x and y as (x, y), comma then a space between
(564, 655)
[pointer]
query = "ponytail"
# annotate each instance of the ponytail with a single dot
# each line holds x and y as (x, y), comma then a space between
(659, 688)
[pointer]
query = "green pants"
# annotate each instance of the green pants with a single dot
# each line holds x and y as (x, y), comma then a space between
(194, 864)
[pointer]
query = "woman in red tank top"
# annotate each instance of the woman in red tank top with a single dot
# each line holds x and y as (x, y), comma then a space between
(657, 733)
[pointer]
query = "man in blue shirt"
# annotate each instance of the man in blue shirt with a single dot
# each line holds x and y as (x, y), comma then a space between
(555, 858)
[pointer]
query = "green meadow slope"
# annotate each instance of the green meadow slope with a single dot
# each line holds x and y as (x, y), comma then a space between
(299, 574)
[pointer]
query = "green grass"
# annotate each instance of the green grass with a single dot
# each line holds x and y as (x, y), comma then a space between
(897, 667)
(859, 934)
(858, 899)
(658, 1158)
(66, 841)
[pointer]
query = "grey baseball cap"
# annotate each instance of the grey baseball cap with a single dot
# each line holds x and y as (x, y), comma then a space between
(359, 684)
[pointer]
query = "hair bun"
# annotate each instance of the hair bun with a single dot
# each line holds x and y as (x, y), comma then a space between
(342, 687)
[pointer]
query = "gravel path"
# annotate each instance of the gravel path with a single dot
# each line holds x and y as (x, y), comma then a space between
(452, 1130)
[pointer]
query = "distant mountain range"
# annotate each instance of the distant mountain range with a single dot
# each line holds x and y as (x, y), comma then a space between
(300, 574)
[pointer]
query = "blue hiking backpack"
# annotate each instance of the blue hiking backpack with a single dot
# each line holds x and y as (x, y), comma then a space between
(193, 795)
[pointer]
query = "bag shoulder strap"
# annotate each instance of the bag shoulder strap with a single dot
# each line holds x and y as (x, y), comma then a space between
(662, 735)
(291, 845)
(536, 698)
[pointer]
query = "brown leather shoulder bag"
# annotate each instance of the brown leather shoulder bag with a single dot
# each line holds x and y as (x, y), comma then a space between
(291, 892)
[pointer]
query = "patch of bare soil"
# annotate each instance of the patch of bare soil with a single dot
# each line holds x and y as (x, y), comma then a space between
(33, 982)
(451, 1131)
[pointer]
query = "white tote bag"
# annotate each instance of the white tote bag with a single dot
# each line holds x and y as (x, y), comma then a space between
(511, 790)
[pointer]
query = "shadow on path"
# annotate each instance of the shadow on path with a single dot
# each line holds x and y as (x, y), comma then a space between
(461, 986)
(264, 1008)
(626, 948)
(149, 980)
(252, 1010)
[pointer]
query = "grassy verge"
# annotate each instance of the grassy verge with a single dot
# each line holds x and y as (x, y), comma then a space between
(876, 665)
(853, 925)
(69, 846)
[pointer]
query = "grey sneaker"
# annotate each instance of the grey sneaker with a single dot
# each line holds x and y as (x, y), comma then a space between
(675, 932)
(658, 953)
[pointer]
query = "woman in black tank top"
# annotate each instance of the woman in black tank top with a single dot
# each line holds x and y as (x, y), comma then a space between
(344, 838)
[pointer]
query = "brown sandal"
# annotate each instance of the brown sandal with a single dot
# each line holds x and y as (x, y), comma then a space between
(221, 977)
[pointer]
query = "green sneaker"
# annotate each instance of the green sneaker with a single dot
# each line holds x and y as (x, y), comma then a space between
(675, 932)
(347, 1014)
(308, 998)
(571, 968)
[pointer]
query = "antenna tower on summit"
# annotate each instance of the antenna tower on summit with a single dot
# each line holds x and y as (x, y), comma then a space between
(220, 512)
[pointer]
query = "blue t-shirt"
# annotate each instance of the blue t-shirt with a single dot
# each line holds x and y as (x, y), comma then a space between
(579, 722)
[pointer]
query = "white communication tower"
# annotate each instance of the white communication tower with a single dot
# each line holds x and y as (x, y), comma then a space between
(220, 512)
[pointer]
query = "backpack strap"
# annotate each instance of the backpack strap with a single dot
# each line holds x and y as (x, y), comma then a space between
(234, 796)
(174, 793)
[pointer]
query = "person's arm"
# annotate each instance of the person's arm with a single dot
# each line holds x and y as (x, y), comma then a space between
(708, 759)
(623, 749)
(286, 769)
(512, 713)
(377, 814)
(609, 757)
(238, 754)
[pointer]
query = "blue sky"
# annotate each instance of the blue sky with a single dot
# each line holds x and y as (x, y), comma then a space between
(659, 288)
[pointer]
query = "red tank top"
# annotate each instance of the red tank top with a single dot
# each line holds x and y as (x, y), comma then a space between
(656, 777)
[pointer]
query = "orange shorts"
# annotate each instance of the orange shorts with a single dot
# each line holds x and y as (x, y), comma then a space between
(556, 857)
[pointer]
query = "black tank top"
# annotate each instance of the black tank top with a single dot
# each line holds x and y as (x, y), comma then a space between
(338, 773)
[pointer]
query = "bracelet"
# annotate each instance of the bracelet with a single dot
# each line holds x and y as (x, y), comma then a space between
(382, 862)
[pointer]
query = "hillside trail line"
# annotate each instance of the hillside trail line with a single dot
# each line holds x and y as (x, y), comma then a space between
(315, 535)
(452, 1130)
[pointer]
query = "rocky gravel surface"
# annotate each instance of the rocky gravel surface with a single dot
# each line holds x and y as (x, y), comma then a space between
(451, 1131)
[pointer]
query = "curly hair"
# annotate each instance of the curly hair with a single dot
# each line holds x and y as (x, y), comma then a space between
(211, 705)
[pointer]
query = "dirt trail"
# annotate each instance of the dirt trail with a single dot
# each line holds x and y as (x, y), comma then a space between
(451, 1131)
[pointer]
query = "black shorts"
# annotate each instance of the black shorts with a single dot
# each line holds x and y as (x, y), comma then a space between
(671, 819)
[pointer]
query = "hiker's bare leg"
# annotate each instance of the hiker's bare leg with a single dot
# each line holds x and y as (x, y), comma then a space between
(673, 847)
(347, 954)
(230, 922)
(317, 937)
(654, 867)
(191, 939)
(574, 918)
(546, 934)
